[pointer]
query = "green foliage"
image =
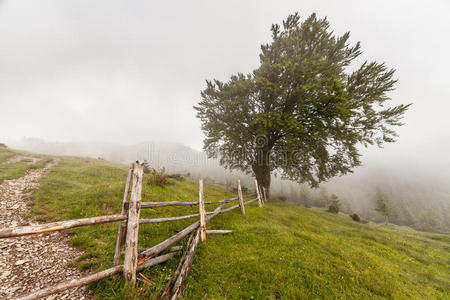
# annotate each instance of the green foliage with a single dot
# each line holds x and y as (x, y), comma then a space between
(310, 255)
(399, 212)
(159, 178)
(335, 204)
(14, 170)
(302, 111)
(383, 206)
(429, 220)
(323, 199)
(177, 177)
(355, 217)
(5, 153)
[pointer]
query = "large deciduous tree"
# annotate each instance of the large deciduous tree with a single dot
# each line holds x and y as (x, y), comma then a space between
(304, 111)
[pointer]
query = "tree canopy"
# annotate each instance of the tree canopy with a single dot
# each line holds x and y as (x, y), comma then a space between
(304, 111)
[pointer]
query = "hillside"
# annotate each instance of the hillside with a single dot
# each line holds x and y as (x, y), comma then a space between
(13, 164)
(280, 251)
(418, 198)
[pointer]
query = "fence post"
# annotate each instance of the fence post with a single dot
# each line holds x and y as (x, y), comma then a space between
(258, 195)
(134, 207)
(241, 201)
(201, 205)
(123, 224)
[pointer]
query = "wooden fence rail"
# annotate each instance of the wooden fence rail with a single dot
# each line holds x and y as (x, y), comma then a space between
(136, 259)
(57, 226)
(182, 203)
(178, 236)
(72, 283)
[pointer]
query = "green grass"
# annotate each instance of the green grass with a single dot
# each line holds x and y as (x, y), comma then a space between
(282, 251)
(18, 169)
(5, 153)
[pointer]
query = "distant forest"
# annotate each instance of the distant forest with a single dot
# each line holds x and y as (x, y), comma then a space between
(404, 208)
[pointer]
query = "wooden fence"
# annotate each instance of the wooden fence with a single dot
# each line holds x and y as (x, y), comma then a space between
(136, 259)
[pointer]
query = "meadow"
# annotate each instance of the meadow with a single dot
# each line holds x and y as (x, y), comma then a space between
(280, 251)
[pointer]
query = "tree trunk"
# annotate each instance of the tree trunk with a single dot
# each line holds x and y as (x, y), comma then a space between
(262, 175)
(261, 168)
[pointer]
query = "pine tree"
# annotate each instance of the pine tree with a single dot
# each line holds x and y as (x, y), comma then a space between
(383, 206)
(335, 204)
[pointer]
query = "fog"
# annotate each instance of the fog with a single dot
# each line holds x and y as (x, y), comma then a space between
(109, 75)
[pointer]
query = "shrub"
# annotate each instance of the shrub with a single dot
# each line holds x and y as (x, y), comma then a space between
(158, 178)
(355, 217)
(335, 204)
(282, 198)
(3, 145)
(177, 177)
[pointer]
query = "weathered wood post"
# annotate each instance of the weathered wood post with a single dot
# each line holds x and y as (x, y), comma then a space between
(123, 225)
(258, 195)
(201, 205)
(265, 195)
(241, 201)
(134, 207)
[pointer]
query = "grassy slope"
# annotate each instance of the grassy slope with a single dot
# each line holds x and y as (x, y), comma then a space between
(16, 170)
(282, 251)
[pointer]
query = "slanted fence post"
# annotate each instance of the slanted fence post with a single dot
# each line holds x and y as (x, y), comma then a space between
(201, 205)
(134, 207)
(123, 225)
(258, 194)
(241, 201)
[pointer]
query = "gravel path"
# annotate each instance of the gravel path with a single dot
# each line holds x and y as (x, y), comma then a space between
(32, 262)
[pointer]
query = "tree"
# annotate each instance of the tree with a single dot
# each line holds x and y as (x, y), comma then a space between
(306, 198)
(400, 213)
(303, 112)
(383, 206)
(323, 198)
(429, 220)
(335, 204)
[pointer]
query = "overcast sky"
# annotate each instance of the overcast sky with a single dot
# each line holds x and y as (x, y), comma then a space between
(129, 71)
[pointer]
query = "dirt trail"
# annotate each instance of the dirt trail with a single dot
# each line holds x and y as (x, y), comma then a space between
(32, 262)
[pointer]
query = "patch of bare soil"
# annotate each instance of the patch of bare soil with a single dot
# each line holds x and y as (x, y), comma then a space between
(33, 262)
